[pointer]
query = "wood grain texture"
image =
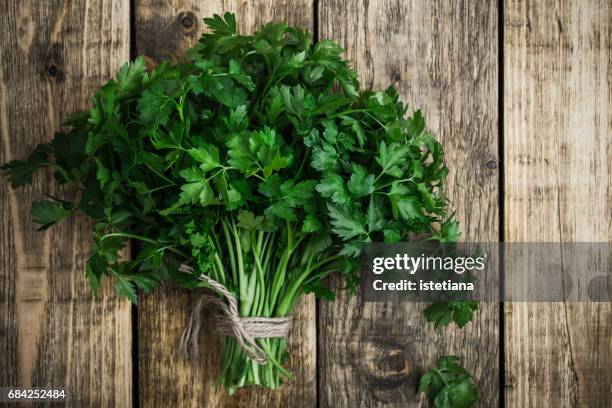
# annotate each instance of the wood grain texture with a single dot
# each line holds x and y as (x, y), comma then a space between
(442, 56)
(558, 139)
(54, 55)
(166, 31)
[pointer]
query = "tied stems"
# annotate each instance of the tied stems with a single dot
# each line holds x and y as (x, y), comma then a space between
(267, 270)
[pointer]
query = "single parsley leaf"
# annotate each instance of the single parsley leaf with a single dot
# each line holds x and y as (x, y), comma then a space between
(320, 291)
(449, 385)
(311, 224)
(225, 25)
(47, 213)
(449, 231)
(154, 105)
(207, 155)
(96, 268)
(360, 183)
(20, 171)
(392, 158)
(124, 287)
(130, 77)
(444, 313)
(333, 186)
(376, 219)
(240, 77)
(345, 224)
(296, 194)
(409, 208)
(416, 124)
(325, 158)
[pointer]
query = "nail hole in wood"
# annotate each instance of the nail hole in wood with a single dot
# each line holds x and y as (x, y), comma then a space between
(188, 21)
(52, 70)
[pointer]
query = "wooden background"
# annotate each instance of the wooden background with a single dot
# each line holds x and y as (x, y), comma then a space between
(518, 91)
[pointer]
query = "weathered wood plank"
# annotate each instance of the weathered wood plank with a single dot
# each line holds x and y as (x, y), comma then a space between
(557, 133)
(442, 56)
(166, 31)
(54, 55)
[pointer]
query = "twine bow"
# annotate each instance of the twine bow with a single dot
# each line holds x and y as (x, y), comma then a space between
(244, 329)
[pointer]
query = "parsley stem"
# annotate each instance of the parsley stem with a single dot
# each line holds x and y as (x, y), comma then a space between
(439, 373)
(161, 187)
(364, 111)
(141, 238)
(292, 289)
(60, 170)
(320, 275)
(304, 159)
(394, 181)
(159, 174)
(242, 279)
(230, 249)
(323, 262)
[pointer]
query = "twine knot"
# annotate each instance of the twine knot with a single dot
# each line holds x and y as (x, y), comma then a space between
(229, 322)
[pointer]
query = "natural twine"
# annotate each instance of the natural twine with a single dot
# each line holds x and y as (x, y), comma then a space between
(244, 329)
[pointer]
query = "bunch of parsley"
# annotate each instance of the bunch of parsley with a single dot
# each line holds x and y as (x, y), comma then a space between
(260, 162)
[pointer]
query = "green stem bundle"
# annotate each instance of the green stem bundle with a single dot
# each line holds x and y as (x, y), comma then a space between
(267, 271)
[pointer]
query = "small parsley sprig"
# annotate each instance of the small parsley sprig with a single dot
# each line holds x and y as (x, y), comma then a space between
(449, 385)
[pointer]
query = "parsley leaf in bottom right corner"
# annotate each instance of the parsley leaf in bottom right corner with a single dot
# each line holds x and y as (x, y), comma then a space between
(450, 385)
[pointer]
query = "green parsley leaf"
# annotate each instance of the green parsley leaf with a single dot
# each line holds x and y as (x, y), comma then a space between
(332, 186)
(360, 184)
(442, 314)
(240, 77)
(391, 158)
(345, 224)
(449, 385)
(207, 155)
(20, 171)
(47, 213)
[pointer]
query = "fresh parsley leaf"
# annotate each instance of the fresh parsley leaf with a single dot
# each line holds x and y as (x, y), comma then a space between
(47, 213)
(416, 124)
(240, 77)
(207, 155)
(360, 183)
(449, 385)
(130, 76)
(345, 224)
(320, 291)
(391, 158)
(311, 224)
(442, 314)
(333, 186)
(20, 171)
(225, 25)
